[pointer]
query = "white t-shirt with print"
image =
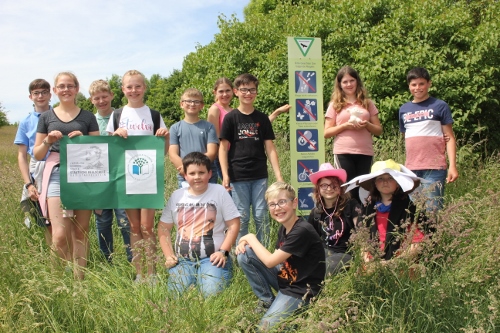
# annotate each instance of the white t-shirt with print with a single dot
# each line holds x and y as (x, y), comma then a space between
(137, 121)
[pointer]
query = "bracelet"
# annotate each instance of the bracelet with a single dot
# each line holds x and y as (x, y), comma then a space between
(46, 143)
(27, 185)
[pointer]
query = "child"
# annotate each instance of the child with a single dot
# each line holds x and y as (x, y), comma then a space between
(69, 235)
(192, 134)
(353, 143)
(223, 92)
(136, 118)
(423, 122)
(25, 140)
(102, 96)
(207, 224)
(296, 268)
(246, 138)
(388, 185)
(334, 216)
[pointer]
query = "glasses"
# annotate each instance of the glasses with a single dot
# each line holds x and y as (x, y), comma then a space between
(246, 90)
(40, 93)
(64, 87)
(281, 203)
(327, 186)
(189, 101)
(384, 180)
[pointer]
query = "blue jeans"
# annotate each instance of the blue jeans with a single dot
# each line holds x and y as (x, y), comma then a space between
(208, 278)
(434, 190)
(262, 280)
(104, 223)
(336, 262)
(252, 193)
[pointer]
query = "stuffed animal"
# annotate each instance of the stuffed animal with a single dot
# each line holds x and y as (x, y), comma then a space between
(355, 112)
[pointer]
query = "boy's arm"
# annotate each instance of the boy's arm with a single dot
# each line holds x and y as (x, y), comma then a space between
(212, 149)
(272, 155)
(278, 111)
(175, 158)
(165, 239)
(224, 164)
(451, 150)
(233, 227)
(22, 161)
(269, 259)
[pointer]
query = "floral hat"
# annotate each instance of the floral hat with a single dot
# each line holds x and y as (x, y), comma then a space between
(327, 170)
(407, 180)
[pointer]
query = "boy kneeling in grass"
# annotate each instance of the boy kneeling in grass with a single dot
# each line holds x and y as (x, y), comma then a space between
(296, 268)
(201, 213)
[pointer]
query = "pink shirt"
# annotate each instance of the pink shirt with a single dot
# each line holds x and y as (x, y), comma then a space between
(352, 141)
(222, 114)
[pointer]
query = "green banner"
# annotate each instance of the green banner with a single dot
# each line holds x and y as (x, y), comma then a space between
(307, 148)
(107, 172)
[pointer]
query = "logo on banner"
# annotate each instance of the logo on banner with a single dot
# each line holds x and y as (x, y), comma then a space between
(141, 167)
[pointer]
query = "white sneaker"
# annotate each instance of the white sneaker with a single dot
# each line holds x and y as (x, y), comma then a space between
(27, 222)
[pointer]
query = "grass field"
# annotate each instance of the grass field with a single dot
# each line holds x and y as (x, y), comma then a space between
(457, 288)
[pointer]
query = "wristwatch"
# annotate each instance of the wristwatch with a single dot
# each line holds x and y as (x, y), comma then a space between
(226, 253)
(27, 185)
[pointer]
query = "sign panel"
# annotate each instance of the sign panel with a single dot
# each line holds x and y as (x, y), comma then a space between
(106, 172)
(306, 128)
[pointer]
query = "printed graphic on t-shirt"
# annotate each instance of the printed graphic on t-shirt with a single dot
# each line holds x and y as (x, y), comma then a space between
(248, 131)
(196, 222)
(418, 115)
(288, 273)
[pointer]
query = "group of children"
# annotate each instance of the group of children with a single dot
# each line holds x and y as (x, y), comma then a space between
(233, 146)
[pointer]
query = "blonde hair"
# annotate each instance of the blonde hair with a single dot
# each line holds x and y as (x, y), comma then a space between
(99, 86)
(274, 190)
(192, 92)
(133, 72)
(338, 98)
(71, 75)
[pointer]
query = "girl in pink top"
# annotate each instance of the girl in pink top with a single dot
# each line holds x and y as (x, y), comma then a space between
(352, 119)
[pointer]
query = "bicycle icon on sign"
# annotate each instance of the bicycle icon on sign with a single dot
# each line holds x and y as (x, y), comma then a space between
(304, 175)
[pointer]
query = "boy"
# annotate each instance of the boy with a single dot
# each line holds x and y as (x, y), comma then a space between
(207, 224)
(102, 96)
(192, 134)
(296, 268)
(31, 171)
(423, 123)
(246, 138)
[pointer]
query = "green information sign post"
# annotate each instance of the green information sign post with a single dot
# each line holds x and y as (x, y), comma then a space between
(307, 120)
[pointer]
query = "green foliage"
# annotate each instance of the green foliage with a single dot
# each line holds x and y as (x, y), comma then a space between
(3, 116)
(84, 102)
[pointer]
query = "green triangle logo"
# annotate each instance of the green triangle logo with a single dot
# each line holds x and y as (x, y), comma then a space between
(304, 44)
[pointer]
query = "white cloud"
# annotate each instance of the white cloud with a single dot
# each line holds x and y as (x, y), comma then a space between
(95, 39)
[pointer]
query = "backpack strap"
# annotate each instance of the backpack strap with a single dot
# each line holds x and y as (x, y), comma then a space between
(116, 118)
(155, 116)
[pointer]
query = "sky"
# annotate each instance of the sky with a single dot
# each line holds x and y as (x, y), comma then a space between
(95, 39)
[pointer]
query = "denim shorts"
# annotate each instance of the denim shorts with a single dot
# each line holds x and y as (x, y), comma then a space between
(54, 187)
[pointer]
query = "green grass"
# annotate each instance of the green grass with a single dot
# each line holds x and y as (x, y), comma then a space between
(457, 290)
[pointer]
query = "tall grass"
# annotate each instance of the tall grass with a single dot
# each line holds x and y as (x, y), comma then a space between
(457, 287)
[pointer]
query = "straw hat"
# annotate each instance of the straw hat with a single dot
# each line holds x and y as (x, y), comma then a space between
(327, 170)
(406, 179)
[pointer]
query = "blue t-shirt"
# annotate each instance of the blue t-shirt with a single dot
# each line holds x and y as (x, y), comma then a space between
(26, 132)
(192, 137)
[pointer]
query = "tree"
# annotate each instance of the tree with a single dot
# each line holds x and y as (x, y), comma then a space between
(3, 116)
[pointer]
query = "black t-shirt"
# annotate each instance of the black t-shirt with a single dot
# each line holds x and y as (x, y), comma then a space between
(304, 271)
(336, 238)
(247, 153)
(84, 122)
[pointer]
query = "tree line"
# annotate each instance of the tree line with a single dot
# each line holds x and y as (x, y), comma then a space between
(457, 41)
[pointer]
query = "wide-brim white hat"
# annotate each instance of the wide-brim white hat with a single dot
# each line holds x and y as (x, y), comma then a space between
(407, 180)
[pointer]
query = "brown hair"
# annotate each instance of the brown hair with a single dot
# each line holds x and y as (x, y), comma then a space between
(39, 84)
(343, 198)
(220, 81)
(338, 98)
(246, 79)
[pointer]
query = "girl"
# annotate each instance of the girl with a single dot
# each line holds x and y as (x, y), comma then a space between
(334, 216)
(352, 119)
(69, 235)
(389, 208)
(223, 92)
(136, 118)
